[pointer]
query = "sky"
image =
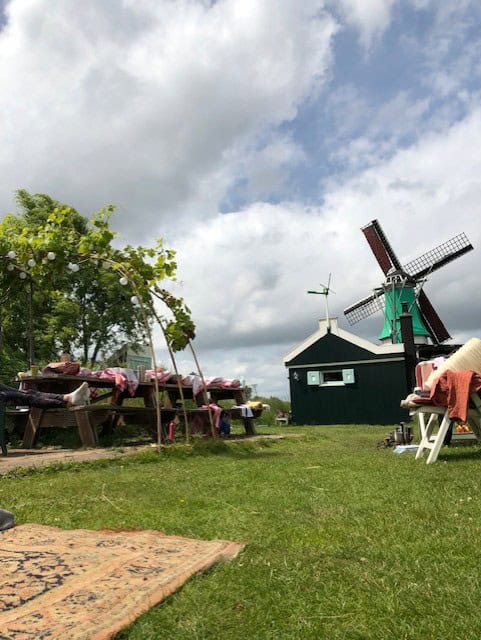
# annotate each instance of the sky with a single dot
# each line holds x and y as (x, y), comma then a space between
(256, 137)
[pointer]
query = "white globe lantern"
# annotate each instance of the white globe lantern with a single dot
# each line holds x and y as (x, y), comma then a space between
(12, 255)
(123, 280)
(10, 267)
(73, 267)
(134, 300)
(31, 262)
(22, 275)
(51, 255)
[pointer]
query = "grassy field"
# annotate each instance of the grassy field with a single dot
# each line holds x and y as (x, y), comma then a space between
(343, 540)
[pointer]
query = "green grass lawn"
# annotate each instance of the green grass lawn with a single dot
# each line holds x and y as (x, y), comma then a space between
(343, 540)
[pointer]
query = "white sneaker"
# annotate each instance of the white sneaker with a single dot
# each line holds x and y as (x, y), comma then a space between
(80, 396)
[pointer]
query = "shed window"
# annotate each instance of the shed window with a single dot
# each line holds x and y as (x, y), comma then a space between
(337, 378)
(330, 377)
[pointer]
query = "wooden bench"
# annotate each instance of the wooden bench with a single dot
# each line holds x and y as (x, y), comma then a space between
(90, 416)
(199, 420)
(87, 418)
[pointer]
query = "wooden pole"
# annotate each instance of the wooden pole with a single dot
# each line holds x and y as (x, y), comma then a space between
(177, 375)
(204, 389)
(154, 362)
(31, 341)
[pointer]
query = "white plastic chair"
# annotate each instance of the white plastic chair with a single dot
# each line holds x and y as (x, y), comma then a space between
(433, 432)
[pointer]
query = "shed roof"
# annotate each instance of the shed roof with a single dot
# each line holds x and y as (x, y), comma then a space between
(331, 327)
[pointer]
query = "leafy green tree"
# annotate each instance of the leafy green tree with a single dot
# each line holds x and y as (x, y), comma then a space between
(66, 287)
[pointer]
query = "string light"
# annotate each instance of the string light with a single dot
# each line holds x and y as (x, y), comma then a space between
(72, 266)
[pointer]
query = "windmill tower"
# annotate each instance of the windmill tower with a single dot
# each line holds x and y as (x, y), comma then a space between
(403, 284)
(326, 289)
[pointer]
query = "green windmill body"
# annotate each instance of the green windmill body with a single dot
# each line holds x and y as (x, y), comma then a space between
(400, 288)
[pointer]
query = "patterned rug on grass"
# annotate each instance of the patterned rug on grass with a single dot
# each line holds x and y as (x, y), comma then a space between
(87, 585)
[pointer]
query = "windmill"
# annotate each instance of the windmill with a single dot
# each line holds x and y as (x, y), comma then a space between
(326, 289)
(403, 284)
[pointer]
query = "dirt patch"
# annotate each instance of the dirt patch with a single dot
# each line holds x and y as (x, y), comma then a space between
(28, 458)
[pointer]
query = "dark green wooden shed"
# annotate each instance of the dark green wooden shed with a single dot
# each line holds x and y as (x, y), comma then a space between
(336, 377)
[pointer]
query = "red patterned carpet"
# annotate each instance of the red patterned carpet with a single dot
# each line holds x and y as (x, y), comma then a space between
(88, 585)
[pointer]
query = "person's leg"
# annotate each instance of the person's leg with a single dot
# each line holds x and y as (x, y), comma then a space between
(30, 398)
(42, 399)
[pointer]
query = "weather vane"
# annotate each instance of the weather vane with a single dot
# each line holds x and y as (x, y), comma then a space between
(326, 290)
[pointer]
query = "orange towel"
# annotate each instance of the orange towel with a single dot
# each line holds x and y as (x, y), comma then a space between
(452, 390)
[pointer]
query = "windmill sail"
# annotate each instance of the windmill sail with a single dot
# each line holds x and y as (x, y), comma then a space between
(438, 257)
(433, 322)
(380, 247)
(364, 308)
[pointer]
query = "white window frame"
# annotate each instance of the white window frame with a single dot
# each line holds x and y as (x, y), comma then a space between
(346, 378)
(331, 383)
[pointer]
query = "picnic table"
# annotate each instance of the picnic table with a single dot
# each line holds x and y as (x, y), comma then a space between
(107, 406)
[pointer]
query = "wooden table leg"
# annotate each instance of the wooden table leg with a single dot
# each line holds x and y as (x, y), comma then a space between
(88, 434)
(33, 422)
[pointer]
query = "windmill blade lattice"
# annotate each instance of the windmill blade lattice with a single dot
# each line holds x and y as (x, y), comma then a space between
(439, 256)
(364, 308)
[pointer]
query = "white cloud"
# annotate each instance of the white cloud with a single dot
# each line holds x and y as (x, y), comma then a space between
(144, 103)
(386, 126)
(370, 17)
(266, 173)
(246, 273)
(450, 53)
